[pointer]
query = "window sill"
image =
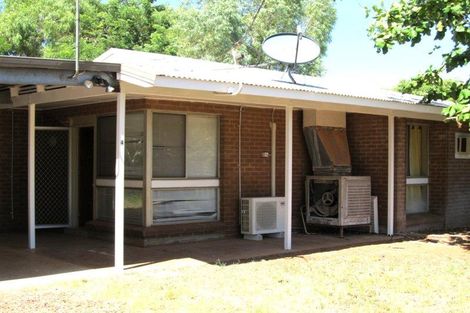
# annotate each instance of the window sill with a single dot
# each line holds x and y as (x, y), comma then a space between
(185, 183)
(184, 222)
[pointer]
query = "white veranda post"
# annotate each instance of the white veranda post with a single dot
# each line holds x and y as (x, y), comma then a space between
(288, 181)
(391, 173)
(119, 183)
(31, 176)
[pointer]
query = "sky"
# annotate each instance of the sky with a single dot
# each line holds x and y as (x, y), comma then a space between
(353, 61)
(352, 58)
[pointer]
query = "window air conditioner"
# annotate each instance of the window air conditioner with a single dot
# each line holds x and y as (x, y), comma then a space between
(262, 216)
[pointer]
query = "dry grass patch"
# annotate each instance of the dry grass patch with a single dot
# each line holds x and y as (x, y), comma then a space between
(410, 276)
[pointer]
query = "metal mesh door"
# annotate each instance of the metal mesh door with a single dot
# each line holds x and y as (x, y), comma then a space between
(52, 177)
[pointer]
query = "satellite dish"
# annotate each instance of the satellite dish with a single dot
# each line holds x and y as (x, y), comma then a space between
(291, 48)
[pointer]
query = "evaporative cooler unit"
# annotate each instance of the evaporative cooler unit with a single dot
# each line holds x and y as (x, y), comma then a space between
(332, 196)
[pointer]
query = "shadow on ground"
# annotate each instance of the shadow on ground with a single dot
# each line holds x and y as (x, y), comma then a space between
(461, 239)
(62, 253)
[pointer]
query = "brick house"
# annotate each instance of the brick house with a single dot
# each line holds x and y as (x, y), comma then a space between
(203, 131)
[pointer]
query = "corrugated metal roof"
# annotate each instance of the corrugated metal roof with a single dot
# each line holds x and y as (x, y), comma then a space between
(154, 65)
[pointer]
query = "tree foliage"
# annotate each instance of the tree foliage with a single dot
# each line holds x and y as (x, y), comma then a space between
(408, 21)
(413, 86)
(46, 28)
(206, 29)
(209, 29)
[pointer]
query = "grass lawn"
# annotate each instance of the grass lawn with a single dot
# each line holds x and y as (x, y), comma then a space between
(412, 276)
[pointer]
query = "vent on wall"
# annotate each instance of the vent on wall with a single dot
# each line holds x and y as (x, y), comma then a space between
(27, 89)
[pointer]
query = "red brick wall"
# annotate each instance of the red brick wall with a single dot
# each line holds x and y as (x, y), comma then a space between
(13, 214)
(368, 146)
(400, 175)
(449, 186)
(458, 191)
(368, 136)
(256, 169)
(438, 167)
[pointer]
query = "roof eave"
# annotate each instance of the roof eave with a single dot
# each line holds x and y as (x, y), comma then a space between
(59, 64)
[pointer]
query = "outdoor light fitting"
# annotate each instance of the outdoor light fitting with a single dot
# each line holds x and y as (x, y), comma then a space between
(88, 84)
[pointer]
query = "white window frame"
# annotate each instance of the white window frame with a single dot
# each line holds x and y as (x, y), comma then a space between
(134, 183)
(418, 181)
(185, 177)
(459, 154)
(179, 220)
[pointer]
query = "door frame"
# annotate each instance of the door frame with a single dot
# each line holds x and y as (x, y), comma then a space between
(77, 123)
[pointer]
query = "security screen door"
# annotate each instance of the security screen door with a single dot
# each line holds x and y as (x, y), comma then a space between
(52, 177)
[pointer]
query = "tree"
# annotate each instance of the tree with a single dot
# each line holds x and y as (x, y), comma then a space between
(206, 29)
(413, 86)
(45, 28)
(209, 29)
(408, 21)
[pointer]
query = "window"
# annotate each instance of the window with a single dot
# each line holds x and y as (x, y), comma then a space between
(185, 146)
(185, 167)
(134, 146)
(184, 204)
(169, 147)
(106, 146)
(462, 146)
(133, 204)
(417, 169)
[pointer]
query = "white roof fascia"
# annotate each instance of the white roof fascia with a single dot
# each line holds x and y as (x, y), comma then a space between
(186, 94)
(137, 77)
(58, 95)
(249, 90)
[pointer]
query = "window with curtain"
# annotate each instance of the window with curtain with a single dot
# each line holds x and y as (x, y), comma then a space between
(185, 149)
(184, 204)
(185, 146)
(417, 169)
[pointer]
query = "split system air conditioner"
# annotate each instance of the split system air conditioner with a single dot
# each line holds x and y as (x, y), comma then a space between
(260, 216)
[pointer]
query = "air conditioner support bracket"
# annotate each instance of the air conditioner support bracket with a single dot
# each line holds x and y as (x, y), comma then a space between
(275, 235)
(253, 237)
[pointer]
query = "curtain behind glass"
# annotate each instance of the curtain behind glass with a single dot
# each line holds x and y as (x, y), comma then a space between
(416, 195)
(169, 145)
(415, 151)
(202, 146)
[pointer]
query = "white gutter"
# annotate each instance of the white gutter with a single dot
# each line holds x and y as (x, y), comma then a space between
(250, 90)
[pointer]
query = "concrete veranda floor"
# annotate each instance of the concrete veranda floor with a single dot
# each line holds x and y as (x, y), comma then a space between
(58, 253)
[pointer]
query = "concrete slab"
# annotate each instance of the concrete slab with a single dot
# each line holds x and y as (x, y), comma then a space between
(61, 253)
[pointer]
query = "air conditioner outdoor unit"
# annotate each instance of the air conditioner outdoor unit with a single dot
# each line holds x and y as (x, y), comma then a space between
(262, 216)
(341, 201)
